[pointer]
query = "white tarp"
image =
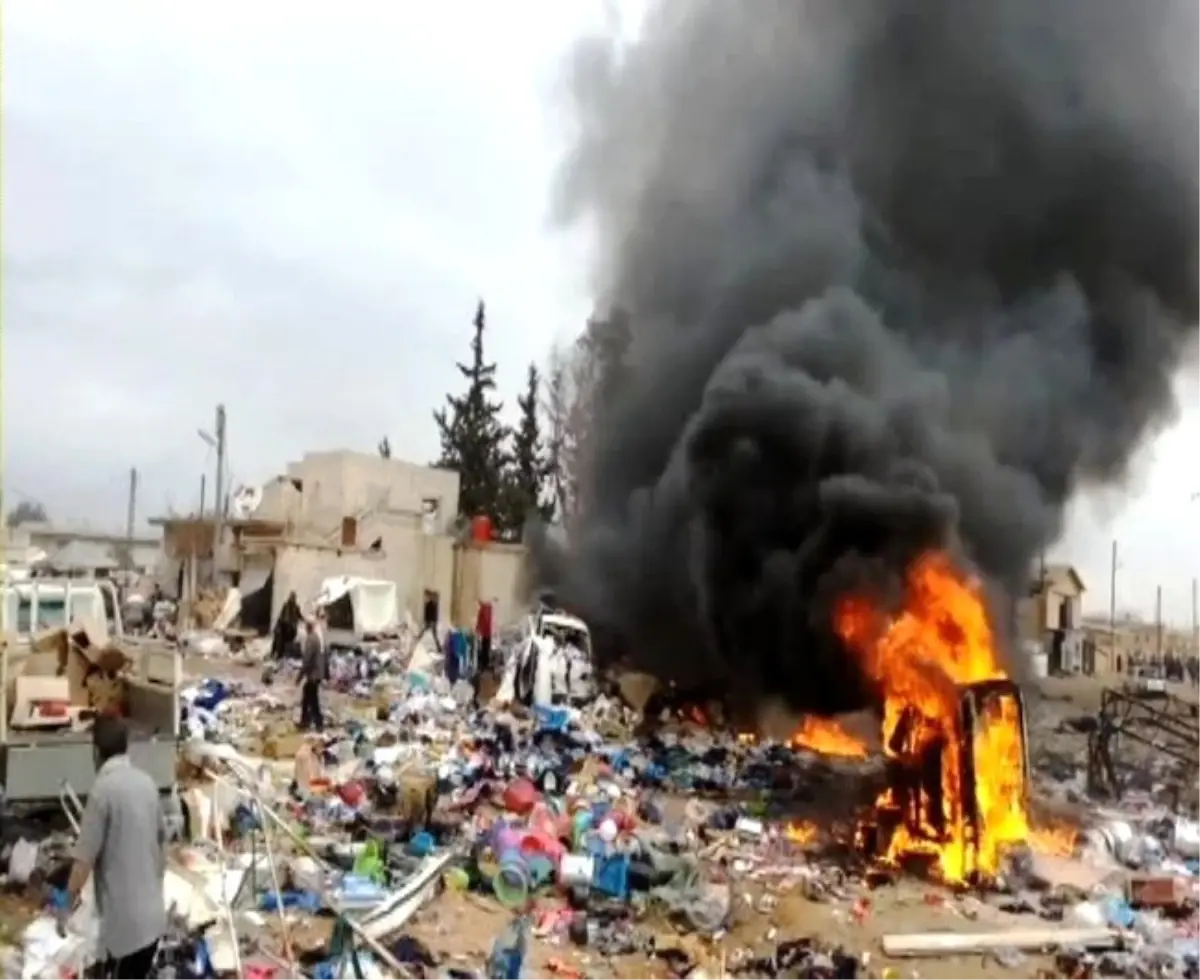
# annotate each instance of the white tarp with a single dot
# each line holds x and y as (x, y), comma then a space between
(373, 602)
(229, 610)
(244, 501)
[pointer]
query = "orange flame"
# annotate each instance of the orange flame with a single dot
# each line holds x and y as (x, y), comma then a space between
(802, 832)
(1056, 840)
(917, 660)
(828, 738)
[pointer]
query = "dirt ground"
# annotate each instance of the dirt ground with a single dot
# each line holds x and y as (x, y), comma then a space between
(460, 928)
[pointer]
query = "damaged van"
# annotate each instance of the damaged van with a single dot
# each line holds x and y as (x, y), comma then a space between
(552, 664)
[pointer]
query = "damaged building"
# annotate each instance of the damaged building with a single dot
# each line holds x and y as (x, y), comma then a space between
(342, 513)
(78, 552)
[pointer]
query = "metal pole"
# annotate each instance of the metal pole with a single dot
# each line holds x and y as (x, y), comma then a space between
(203, 490)
(130, 518)
(219, 492)
(1112, 610)
(1195, 624)
(1158, 632)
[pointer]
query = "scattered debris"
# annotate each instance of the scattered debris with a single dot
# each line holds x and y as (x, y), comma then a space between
(431, 831)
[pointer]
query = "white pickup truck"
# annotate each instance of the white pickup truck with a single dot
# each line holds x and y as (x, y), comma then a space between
(551, 663)
(36, 765)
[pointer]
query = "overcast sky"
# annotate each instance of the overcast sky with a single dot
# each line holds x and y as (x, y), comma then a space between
(287, 207)
(292, 208)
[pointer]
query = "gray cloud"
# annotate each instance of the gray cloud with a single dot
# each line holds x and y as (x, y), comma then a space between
(1002, 190)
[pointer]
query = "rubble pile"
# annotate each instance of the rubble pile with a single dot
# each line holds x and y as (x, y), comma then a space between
(424, 834)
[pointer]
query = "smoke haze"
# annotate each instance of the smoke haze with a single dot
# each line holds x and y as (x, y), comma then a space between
(899, 275)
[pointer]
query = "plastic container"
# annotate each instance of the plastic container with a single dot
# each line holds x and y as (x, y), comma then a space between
(611, 876)
(508, 951)
(551, 719)
(352, 794)
(481, 529)
(1185, 840)
(520, 796)
(512, 882)
(581, 825)
(538, 844)
(503, 838)
(543, 820)
(576, 870)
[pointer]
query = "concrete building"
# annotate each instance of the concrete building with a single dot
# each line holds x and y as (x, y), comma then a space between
(348, 513)
(78, 551)
(1051, 617)
(357, 514)
(1132, 641)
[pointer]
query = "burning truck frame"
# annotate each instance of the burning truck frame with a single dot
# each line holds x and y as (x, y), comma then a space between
(953, 727)
(955, 791)
(938, 796)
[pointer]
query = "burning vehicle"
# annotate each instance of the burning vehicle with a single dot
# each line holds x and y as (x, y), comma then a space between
(953, 725)
(860, 339)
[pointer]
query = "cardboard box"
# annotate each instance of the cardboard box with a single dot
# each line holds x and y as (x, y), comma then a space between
(83, 659)
(282, 745)
(1149, 891)
(416, 797)
(33, 690)
(107, 695)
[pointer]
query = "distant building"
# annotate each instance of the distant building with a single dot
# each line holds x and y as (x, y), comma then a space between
(1051, 616)
(78, 551)
(1132, 641)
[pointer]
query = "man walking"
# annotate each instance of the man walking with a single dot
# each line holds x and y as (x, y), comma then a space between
(313, 669)
(122, 848)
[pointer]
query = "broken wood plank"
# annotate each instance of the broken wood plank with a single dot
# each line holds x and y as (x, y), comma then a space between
(955, 943)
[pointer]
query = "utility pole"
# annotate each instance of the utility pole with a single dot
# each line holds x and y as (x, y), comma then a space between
(1195, 623)
(130, 518)
(1158, 625)
(219, 491)
(1112, 610)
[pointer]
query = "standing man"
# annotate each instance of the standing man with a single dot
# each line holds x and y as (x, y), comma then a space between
(286, 627)
(429, 618)
(122, 848)
(483, 635)
(313, 669)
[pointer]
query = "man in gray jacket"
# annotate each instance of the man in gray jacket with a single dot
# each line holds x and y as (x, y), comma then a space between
(122, 848)
(313, 669)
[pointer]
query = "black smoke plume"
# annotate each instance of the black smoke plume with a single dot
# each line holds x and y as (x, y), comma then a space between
(899, 274)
